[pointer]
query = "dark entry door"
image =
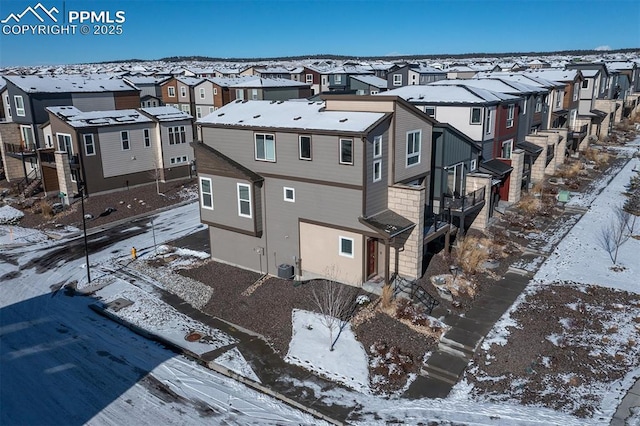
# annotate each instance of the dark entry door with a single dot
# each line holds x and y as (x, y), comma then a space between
(372, 250)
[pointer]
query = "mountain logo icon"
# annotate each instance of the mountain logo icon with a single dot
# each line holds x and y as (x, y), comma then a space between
(38, 11)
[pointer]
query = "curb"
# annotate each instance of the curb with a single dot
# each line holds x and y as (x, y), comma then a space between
(101, 310)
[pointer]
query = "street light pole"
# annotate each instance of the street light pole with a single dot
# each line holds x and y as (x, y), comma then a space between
(84, 228)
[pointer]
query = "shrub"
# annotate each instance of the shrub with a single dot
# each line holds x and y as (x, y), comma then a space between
(470, 254)
(46, 209)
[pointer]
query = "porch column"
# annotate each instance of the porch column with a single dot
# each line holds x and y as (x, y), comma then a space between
(515, 181)
(64, 175)
(476, 181)
(540, 163)
(409, 201)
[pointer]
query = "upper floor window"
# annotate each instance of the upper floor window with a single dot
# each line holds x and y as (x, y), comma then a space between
(374, 92)
(289, 194)
(397, 79)
(89, 145)
(338, 79)
(147, 138)
(244, 200)
(124, 139)
(183, 91)
(585, 84)
(202, 93)
(539, 104)
(6, 100)
(177, 134)
(240, 94)
(171, 91)
(265, 147)
(558, 99)
(198, 112)
(346, 151)
(309, 78)
(430, 111)
(19, 105)
(413, 147)
(507, 147)
(575, 91)
(206, 193)
(487, 122)
(377, 170)
(215, 90)
(377, 147)
(476, 115)
(510, 114)
(304, 147)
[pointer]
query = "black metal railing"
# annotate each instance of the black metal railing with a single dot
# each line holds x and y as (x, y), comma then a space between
(578, 130)
(12, 148)
(472, 199)
(433, 222)
(414, 292)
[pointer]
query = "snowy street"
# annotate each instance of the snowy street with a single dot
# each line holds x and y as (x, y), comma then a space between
(61, 363)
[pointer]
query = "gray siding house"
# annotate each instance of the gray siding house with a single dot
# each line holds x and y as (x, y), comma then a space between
(335, 188)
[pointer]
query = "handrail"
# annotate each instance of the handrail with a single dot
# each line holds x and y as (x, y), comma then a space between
(467, 201)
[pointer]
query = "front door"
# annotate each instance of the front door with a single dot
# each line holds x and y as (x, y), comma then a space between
(372, 250)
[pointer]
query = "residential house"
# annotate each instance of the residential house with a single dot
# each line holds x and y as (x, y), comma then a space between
(272, 72)
(367, 84)
(112, 150)
(150, 89)
(412, 74)
(179, 92)
(317, 189)
(29, 95)
(460, 71)
(631, 95)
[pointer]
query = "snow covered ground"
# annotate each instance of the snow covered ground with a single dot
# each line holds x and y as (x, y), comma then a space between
(70, 365)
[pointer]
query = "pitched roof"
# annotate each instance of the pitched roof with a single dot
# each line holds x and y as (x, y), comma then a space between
(303, 115)
(371, 80)
(69, 83)
(494, 85)
(77, 119)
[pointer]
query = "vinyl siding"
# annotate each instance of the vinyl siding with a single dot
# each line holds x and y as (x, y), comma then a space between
(376, 192)
(225, 204)
(460, 118)
(177, 150)
(95, 101)
(239, 145)
(115, 161)
(406, 122)
(240, 250)
(283, 94)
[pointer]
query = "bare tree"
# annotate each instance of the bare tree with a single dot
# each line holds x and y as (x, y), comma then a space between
(336, 303)
(615, 233)
(156, 175)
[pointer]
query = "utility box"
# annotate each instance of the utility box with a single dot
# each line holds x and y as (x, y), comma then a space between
(285, 271)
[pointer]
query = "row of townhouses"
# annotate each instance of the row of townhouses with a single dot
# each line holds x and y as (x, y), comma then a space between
(351, 169)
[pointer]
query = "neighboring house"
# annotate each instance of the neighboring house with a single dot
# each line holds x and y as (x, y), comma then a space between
(460, 71)
(30, 95)
(318, 189)
(112, 150)
(412, 74)
(479, 114)
(272, 72)
(367, 84)
(150, 89)
(630, 96)
(338, 77)
(179, 92)
(313, 77)
(5, 103)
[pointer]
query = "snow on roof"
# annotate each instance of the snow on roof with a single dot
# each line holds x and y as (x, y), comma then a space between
(255, 81)
(142, 80)
(166, 113)
(425, 69)
(189, 81)
(589, 73)
(621, 65)
(522, 77)
(555, 74)
(496, 84)
(290, 115)
(371, 80)
(69, 83)
(76, 118)
(443, 94)
(273, 70)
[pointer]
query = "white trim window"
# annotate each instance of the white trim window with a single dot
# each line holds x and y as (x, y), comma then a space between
(337, 79)
(304, 147)
(26, 133)
(211, 109)
(397, 79)
(146, 136)
(511, 110)
(507, 148)
(289, 194)
(19, 101)
(585, 84)
(179, 160)
(240, 94)
(8, 103)
(374, 92)
(183, 92)
(244, 200)
(487, 123)
(124, 140)
(414, 147)
(89, 145)
(377, 146)
(576, 90)
(309, 78)
(377, 170)
(473, 165)
(539, 104)
(254, 94)
(346, 246)
(265, 147)
(346, 151)
(171, 91)
(430, 111)
(206, 193)
(202, 93)
(215, 90)
(177, 135)
(64, 143)
(198, 112)
(476, 115)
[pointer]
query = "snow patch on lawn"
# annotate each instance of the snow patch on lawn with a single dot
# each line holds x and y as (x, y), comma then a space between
(309, 348)
(10, 215)
(10, 234)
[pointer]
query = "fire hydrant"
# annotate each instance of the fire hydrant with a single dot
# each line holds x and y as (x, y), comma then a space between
(134, 253)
